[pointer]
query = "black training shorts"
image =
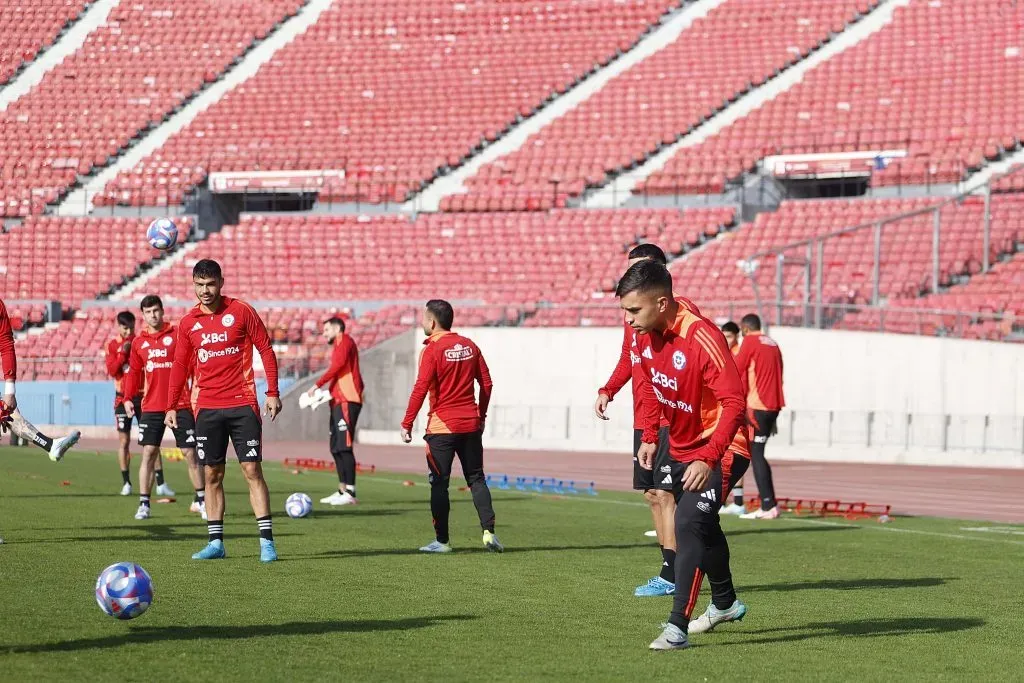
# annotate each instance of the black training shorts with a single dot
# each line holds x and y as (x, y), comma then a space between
(667, 474)
(344, 417)
(124, 423)
(215, 426)
(151, 429)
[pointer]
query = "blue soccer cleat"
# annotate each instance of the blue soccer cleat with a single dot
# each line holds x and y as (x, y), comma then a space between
(713, 616)
(268, 553)
(214, 550)
(654, 588)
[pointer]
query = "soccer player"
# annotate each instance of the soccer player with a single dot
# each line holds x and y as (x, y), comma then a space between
(215, 340)
(150, 361)
(732, 337)
(10, 417)
(450, 366)
(660, 483)
(690, 379)
(117, 352)
(346, 388)
(760, 366)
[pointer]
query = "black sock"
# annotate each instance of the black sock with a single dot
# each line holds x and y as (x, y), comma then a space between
(144, 500)
(126, 477)
(200, 495)
(737, 495)
(668, 565)
(43, 441)
(159, 477)
(266, 527)
(215, 529)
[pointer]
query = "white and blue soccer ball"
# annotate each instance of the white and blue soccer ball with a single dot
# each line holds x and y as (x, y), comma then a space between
(124, 590)
(162, 234)
(298, 505)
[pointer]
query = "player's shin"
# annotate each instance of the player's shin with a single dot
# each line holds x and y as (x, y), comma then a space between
(440, 507)
(26, 430)
(690, 544)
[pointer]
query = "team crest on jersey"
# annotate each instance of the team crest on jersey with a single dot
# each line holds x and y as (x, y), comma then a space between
(228, 320)
(678, 360)
(168, 340)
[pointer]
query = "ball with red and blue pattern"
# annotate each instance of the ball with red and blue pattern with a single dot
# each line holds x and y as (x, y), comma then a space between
(162, 234)
(124, 590)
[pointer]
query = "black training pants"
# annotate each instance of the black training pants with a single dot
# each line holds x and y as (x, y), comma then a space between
(441, 452)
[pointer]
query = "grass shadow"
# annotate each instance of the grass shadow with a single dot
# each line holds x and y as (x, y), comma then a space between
(157, 634)
(863, 628)
(849, 584)
(388, 552)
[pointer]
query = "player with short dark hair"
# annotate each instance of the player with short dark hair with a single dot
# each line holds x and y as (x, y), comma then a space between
(450, 367)
(345, 384)
(690, 379)
(150, 362)
(216, 339)
(117, 352)
(760, 365)
(660, 483)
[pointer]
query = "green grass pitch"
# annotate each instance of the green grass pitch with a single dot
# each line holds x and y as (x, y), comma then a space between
(351, 599)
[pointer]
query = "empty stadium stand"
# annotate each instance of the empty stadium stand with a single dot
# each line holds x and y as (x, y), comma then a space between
(657, 101)
(129, 75)
(942, 81)
(26, 29)
(393, 93)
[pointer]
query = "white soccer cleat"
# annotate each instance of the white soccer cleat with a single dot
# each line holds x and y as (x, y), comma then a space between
(202, 511)
(62, 445)
(346, 499)
(165, 490)
(333, 499)
(492, 543)
(672, 638)
(762, 514)
(436, 546)
(653, 533)
(733, 509)
(126, 490)
(142, 512)
(713, 616)
(194, 507)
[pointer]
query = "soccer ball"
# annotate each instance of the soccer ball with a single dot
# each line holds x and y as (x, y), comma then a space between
(124, 590)
(162, 234)
(298, 505)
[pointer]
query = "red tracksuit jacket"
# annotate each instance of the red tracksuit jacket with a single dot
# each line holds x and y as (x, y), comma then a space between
(450, 366)
(150, 362)
(116, 359)
(8, 361)
(343, 376)
(760, 365)
(690, 378)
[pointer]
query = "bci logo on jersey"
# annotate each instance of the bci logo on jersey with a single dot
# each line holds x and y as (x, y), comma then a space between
(458, 352)
(213, 338)
(157, 353)
(663, 380)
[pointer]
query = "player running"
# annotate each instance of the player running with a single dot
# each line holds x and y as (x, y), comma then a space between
(150, 361)
(117, 352)
(450, 364)
(731, 331)
(346, 388)
(659, 484)
(10, 417)
(215, 340)
(760, 366)
(691, 380)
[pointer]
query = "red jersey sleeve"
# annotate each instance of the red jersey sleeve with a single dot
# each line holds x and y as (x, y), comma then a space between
(184, 363)
(261, 341)
(339, 358)
(117, 357)
(424, 377)
(623, 371)
(133, 380)
(651, 409)
(720, 375)
(8, 360)
(483, 377)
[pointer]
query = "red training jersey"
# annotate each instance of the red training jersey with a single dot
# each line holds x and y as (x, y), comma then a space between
(218, 347)
(116, 358)
(628, 368)
(760, 365)
(690, 378)
(8, 361)
(740, 443)
(449, 366)
(150, 362)
(343, 376)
